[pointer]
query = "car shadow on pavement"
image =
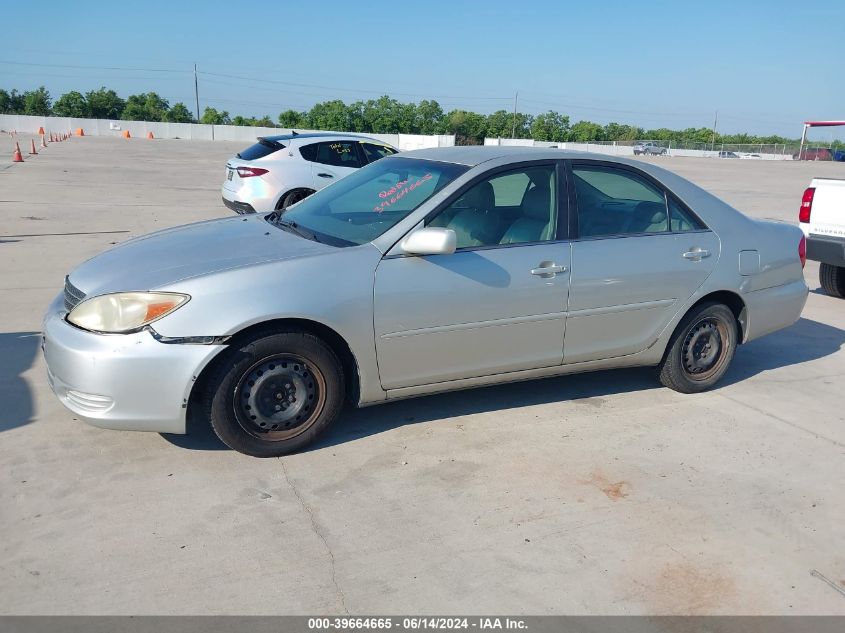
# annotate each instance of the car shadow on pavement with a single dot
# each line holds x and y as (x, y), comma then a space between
(17, 353)
(807, 340)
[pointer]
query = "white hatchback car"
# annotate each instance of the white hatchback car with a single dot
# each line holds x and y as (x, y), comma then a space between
(279, 171)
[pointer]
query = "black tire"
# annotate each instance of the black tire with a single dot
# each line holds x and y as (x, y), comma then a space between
(275, 393)
(700, 350)
(832, 279)
(292, 197)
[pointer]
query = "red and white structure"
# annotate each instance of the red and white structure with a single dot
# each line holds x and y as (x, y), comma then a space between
(808, 125)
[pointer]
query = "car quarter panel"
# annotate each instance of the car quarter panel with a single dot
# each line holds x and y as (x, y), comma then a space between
(333, 288)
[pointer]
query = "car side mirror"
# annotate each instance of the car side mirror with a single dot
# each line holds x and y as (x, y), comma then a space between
(430, 241)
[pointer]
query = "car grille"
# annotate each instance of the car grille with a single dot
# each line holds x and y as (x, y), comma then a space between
(73, 295)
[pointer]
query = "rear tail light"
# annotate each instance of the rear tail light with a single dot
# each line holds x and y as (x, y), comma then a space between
(249, 172)
(806, 204)
(802, 251)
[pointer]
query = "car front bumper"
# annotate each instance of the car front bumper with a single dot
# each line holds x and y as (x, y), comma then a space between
(121, 381)
(827, 250)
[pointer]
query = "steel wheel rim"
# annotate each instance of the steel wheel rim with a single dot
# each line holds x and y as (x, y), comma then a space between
(279, 397)
(704, 350)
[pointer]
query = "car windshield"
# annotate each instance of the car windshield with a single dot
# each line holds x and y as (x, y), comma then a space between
(366, 203)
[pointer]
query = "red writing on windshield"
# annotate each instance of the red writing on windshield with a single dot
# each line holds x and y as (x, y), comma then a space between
(397, 192)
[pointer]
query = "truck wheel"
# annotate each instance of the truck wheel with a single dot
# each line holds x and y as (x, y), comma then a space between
(832, 279)
(274, 394)
(700, 350)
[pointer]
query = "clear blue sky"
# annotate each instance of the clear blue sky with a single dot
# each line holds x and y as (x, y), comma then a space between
(766, 66)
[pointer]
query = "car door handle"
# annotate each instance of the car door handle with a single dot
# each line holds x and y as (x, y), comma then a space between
(548, 271)
(324, 175)
(697, 254)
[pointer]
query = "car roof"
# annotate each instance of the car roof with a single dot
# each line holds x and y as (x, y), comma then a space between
(472, 155)
(305, 135)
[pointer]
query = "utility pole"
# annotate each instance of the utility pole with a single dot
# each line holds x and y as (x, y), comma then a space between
(515, 101)
(197, 92)
(713, 139)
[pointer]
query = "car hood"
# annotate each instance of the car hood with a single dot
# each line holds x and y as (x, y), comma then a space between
(166, 257)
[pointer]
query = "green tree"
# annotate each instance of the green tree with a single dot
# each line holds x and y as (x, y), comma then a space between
(37, 102)
(329, 115)
(386, 116)
(430, 118)
(619, 132)
(469, 128)
(179, 113)
(145, 107)
(239, 120)
(586, 131)
(292, 119)
(6, 102)
(71, 104)
(210, 116)
(104, 104)
(550, 126)
(264, 121)
(503, 124)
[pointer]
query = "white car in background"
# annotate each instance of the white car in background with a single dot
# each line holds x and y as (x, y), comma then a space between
(279, 171)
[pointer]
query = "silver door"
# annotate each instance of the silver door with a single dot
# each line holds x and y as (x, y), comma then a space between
(625, 290)
(473, 313)
(496, 305)
(635, 263)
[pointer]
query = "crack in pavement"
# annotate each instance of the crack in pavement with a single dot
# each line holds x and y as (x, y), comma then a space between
(316, 528)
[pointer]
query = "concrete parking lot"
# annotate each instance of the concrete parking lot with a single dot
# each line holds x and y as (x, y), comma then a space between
(593, 494)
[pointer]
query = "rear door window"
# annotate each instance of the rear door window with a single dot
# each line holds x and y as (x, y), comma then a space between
(617, 202)
(309, 152)
(373, 152)
(338, 154)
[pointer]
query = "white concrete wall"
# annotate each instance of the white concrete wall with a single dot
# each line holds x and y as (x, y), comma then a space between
(616, 150)
(192, 131)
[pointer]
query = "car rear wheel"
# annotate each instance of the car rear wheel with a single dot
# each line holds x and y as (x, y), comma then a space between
(292, 197)
(832, 279)
(700, 350)
(274, 394)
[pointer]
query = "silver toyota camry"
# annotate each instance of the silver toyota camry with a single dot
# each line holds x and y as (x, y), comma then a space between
(427, 271)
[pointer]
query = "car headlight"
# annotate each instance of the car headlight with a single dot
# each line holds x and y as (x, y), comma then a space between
(124, 311)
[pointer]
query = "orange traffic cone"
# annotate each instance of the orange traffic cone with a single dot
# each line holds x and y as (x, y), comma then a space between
(80, 132)
(32, 151)
(41, 130)
(16, 156)
(150, 135)
(126, 134)
(43, 143)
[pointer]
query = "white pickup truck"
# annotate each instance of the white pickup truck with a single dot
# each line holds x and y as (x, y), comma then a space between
(822, 218)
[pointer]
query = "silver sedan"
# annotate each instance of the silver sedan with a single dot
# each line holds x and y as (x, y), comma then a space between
(423, 272)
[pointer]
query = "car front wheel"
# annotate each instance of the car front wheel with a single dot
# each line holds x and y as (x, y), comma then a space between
(274, 394)
(700, 350)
